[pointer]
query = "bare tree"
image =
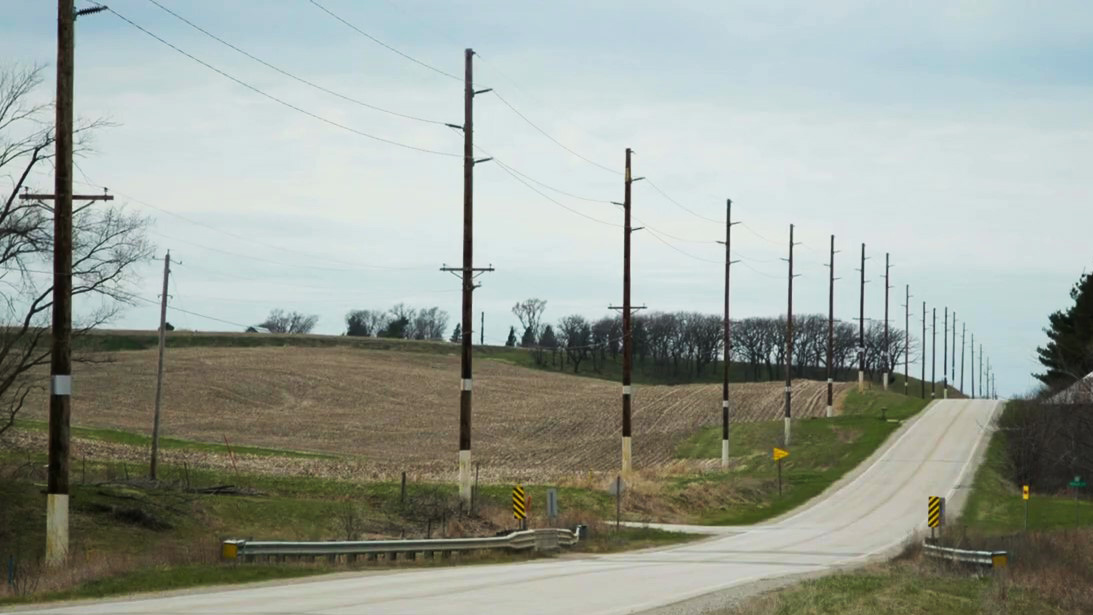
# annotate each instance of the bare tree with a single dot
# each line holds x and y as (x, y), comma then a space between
(106, 242)
(530, 313)
(428, 324)
(280, 321)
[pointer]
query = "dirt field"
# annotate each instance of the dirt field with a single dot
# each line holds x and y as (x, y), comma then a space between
(399, 411)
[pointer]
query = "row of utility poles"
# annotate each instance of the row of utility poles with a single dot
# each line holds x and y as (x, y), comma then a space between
(57, 489)
(468, 272)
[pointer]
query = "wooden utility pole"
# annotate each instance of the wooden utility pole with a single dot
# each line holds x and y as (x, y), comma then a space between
(972, 376)
(482, 330)
(907, 341)
(830, 328)
(945, 358)
(980, 370)
(922, 381)
(952, 365)
(933, 357)
(159, 367)
(861, 325)
(467, 273)
(983, 380)
(884, 352)
(963, 332)
(627, 320)
(789, 344)
(728, 338)
(60, 367)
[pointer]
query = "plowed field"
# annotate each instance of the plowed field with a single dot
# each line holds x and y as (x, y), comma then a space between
(399, 411)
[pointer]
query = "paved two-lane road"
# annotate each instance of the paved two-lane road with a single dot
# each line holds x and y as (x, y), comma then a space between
(870, 514)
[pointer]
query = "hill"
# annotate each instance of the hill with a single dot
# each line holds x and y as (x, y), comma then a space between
(396, 410)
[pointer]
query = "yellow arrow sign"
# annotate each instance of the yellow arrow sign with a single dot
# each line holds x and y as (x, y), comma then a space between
(780, 454)
(1024, 491)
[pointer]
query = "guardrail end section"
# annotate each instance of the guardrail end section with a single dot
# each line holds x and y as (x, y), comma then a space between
(999, 560)
(229, 549)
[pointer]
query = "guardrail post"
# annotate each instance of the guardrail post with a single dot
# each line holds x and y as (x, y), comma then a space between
(392, 556)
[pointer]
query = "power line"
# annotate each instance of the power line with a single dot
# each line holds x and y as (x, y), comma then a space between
(681, 251)
(504, 167)
(383, 44)
(349, 266)
(548, 136)
(291, 75)
(681, 205)
(281, 101)
(287, 264)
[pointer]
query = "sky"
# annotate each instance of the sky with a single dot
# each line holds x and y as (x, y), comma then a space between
(953, 136)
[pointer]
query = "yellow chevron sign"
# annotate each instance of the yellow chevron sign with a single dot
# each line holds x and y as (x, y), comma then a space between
(519, 503)
(780, 454)
(935, 512)
(1024, 492)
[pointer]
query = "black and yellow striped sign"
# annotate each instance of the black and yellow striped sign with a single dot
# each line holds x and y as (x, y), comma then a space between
(519, 503)
(935, 512)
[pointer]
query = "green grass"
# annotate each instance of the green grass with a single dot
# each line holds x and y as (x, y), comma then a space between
(166, 578)
(822, 451)
(118, 436)
(902, 587)
(995, 505)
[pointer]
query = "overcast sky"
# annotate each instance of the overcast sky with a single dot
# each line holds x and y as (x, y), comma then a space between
(954, 135)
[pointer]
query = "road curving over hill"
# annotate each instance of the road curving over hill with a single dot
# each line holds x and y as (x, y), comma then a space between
(870, 515)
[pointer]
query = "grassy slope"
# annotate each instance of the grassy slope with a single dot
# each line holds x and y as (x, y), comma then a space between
(994, 508)
(118, 436)
(116, 525)
(823, 451)
(995, 505)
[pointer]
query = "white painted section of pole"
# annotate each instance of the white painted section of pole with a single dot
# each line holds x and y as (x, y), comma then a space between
(466, 476)
(60, 385)
(627, 465)
(56, 528)
(861, 381)
(945, 393)
(829, 412)
(465, 384)
(627, 389)
(787, 431)
(725, 453)
(885, 381)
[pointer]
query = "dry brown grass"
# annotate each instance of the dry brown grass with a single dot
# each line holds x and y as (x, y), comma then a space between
(395, 411)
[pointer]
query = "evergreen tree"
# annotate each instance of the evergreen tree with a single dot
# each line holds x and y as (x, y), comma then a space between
(529, 338)
(457, 334)
(512, 337)
(1068, 354)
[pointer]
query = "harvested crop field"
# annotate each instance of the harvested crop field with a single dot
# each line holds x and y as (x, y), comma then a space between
(396, 411)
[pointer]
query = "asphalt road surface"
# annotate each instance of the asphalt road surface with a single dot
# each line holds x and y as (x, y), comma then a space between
(873, 513)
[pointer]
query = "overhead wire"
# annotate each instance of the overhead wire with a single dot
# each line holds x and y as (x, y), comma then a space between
(277, 99)
(348, 266)
(292, 75)
(383, 44)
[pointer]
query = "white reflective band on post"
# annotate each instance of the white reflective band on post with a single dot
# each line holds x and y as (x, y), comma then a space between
(627, 389)
(464, 384)
(60, 385)
(724, 404)
(789, 389)
(829, 381)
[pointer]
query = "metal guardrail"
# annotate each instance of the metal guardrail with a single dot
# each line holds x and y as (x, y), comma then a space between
(994, 559)
(549, 539)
